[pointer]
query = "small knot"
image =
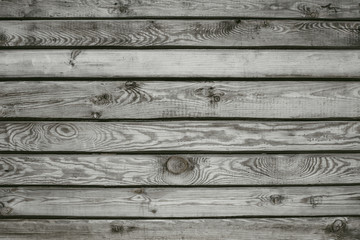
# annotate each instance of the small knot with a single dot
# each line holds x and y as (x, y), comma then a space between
(276, 199)
(177, 165)
(315, 200)
(4, 210)
(117, 228)
(216, 98)
(129, 85)
(139, 191)
(96, 115)
(338, 226)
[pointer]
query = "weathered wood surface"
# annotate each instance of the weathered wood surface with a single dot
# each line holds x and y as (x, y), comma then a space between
(179, 63)
(194, 169)
(165, 99)
(180, 202)
(312, 228)
(139, 33)
(172, 8)
(179, 136)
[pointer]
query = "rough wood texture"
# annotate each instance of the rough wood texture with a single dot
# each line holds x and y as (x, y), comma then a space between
(138, 33)
(180, 63)
(151, 8)
(164, 99)
(211, 229)
(180, 136)
(194, 169)
(180, 202)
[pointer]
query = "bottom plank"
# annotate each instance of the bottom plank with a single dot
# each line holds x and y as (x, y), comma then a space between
(210, 229)
(180, 202)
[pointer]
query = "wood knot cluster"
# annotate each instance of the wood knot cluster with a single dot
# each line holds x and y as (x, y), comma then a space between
(308, 11)
(102, 99)
(211, 93)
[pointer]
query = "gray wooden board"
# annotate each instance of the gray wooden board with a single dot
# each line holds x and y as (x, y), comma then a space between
(190, 169)
(180, 202)
(179, 136)
(179, 99)
(200, 33)
(180, 63)
(344, 228)
(344, 9)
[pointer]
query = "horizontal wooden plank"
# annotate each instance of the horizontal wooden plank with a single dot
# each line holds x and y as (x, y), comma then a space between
(184, 99)
(179, 136)
(179, 63)
(139, 33)
(314, 228)
(180, 202)
(198, 8)
(194, 169)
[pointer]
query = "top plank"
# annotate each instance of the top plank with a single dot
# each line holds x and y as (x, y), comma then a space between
(334, 9)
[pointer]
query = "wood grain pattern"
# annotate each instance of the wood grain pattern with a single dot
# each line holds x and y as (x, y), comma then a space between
(194, 169)
(180, 63)
(180, 202)
(179, 99)
(179, 136)
(140, 33)
(313, 228)
(151, 8)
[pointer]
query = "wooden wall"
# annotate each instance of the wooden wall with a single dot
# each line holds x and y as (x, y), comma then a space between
(180, 119)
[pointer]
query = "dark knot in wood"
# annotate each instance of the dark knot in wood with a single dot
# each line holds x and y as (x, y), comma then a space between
(96, 115)
(338, 225)
(4, 210)
(315, 200)
(177, 165)
(276, 199)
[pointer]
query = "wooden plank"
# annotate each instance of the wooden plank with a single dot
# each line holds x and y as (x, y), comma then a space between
(179, 99)
(194, 169)
(197, 8)
(179, 136)
(179, 63)
(345, 228)
(139, 33)
(180, 202)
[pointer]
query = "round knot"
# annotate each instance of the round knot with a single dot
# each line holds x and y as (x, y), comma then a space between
(338, 225)
(177, 165)
(276, 199)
